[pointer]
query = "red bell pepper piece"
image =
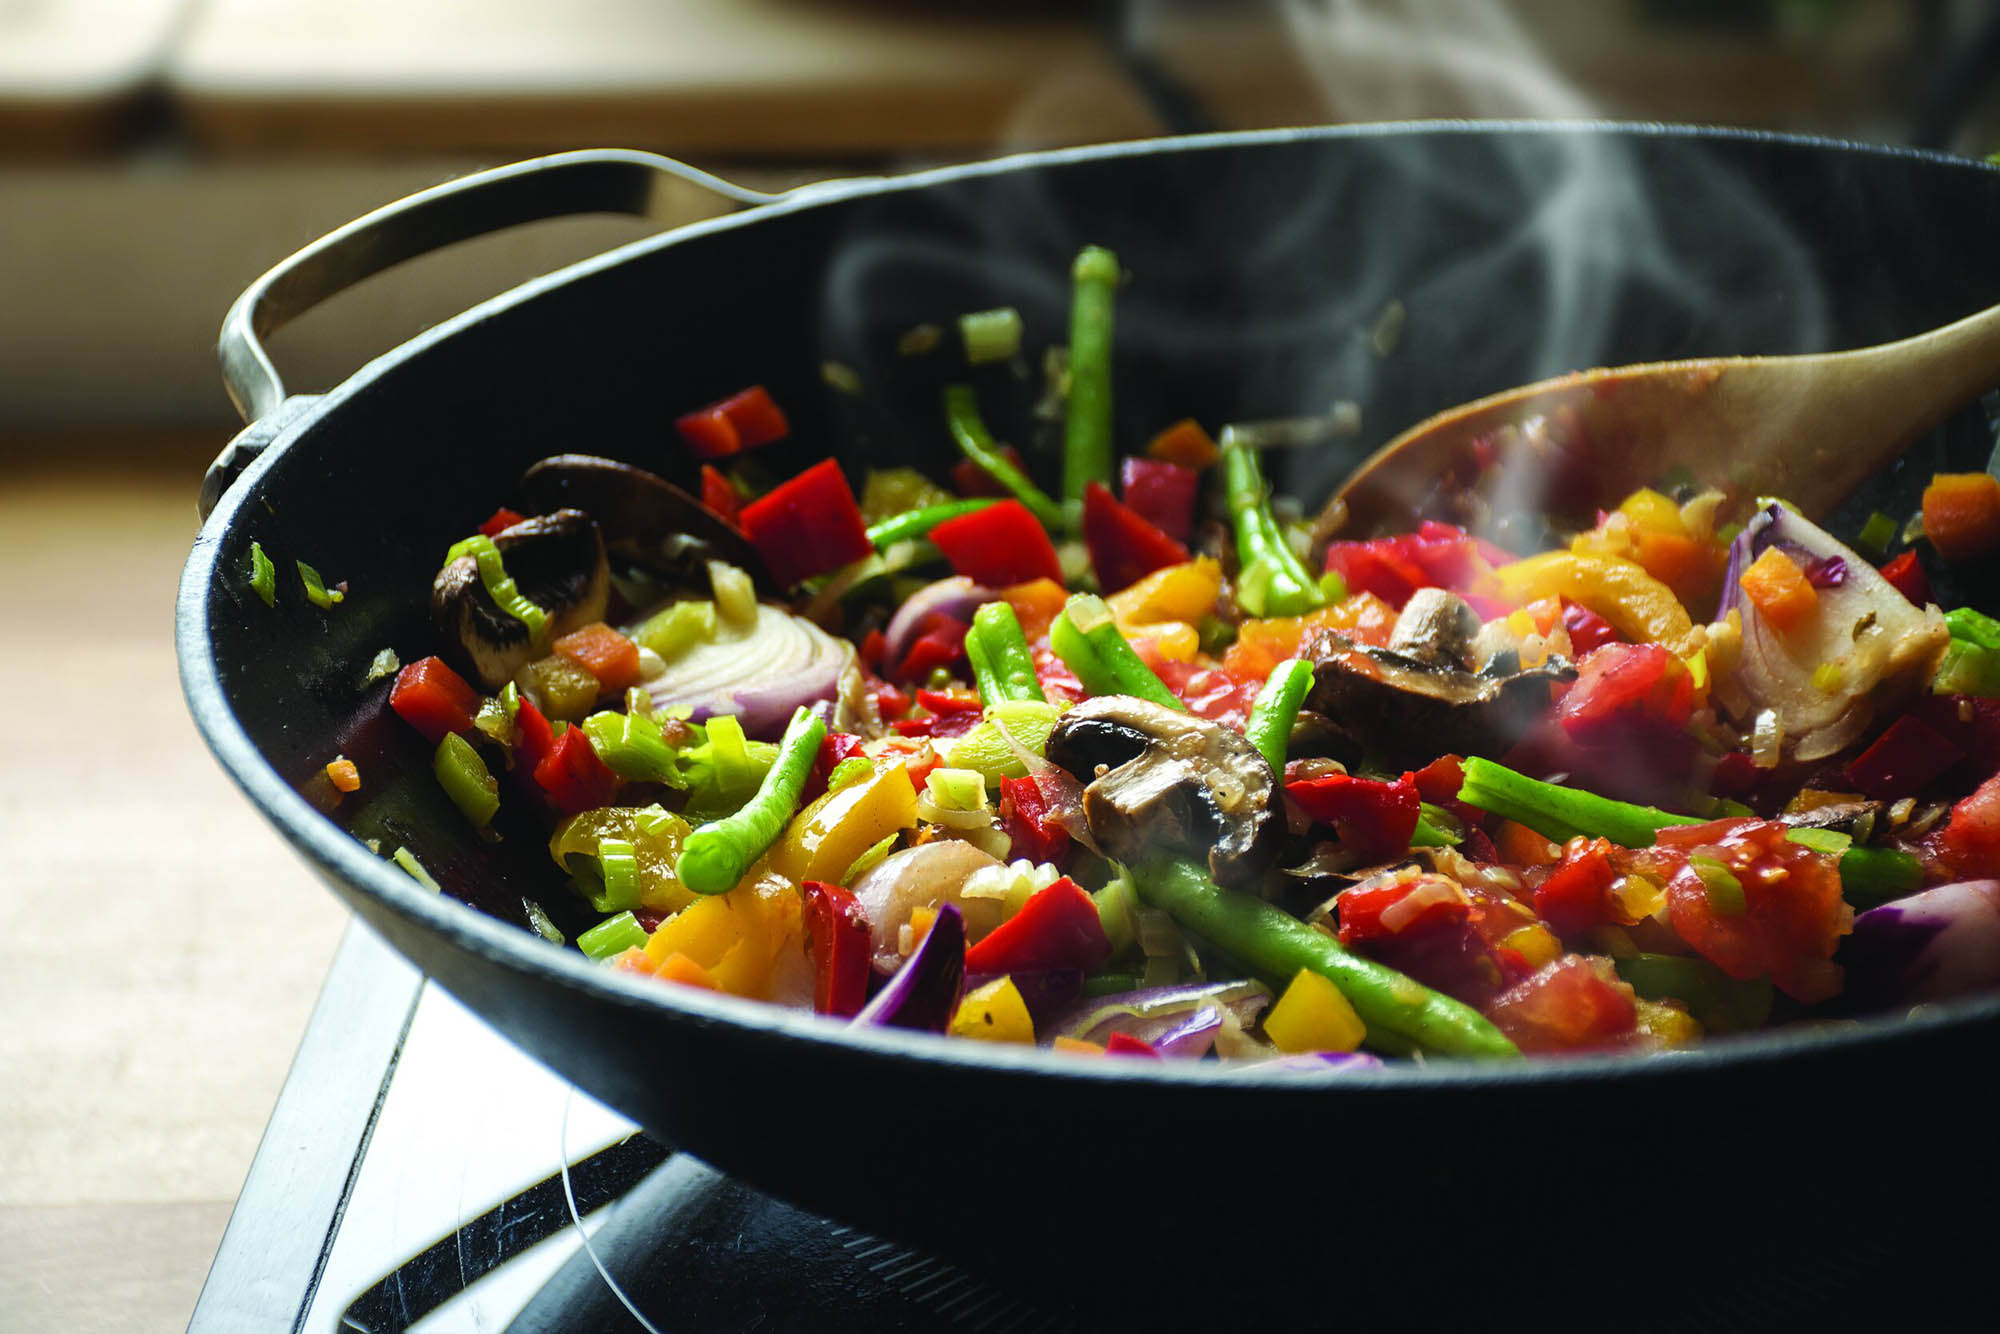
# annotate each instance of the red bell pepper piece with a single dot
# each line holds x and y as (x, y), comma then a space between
(837, 928)
(573, 775)
(742, 421)
(431, 697)
(1374, 818)
(1576, 895)
(1903, 760)
(503, 518)
(1587, 630)
(719, 495)
(969, 479)
(1625, 694)
(534, 741)
(1024, 817)
(940, 643)
(1056, 928)
(1436, 555)
(833, 748)
(1124, 1044)
(1161, 493)
(1906, 575)
(808, 526)
(999, 545)
(1124, 547)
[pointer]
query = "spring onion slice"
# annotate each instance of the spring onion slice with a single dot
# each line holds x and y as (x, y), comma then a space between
(317, 592)
(612, 937)
(499, 584)
(406, 859)
(619, 864)
(263, 575)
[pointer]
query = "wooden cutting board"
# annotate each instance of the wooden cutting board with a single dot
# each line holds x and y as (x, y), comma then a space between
(794, 77)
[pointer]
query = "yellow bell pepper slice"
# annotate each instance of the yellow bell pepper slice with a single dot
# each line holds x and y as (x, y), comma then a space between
(1637, 605)
(994, 1013)
(1312, 1015)
(826, 838)
(736, 937)
(1184, 592)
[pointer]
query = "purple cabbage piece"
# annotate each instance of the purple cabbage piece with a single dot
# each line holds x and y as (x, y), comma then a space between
(924, 992)
(1937, 943)
(1179, 1021)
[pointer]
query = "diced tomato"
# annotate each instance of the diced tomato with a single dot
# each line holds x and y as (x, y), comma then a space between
(1436, 555)
(1058, 682)
(719, 495)
(1161, 493)
(1415, 905)
(1792, 914)
(742, 421)
(808, 525)
(1969, 847)
(1027, 819)
(1372, 817)
(1626, 693)
(603, 652)
(573, 775)
(1432, 929)
(1906, 575)
(969, 479)
(1056, 928)
(1377, 566)
(434, 699)
(837, 932)
(1577, 894)
(1904, 760)
(1587, 630)
(1124, 547)
(1574, 1003)
(503, 519)
(1216, 696)
(999, 545)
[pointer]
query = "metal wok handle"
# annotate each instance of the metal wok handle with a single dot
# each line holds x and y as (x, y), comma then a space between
(606, 180)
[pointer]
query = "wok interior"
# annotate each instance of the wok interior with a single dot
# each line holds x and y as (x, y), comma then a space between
(1258, 269)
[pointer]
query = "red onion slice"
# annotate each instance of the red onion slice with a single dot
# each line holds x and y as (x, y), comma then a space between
(957, 597)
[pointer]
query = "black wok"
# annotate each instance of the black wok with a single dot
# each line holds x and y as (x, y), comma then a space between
(1260, 264)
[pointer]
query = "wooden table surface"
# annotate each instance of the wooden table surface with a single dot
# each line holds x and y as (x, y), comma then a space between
(160, 947)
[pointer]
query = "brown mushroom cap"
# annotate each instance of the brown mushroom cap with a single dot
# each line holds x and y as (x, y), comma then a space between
(556, 561)
(1406, 712)
(1158, 781)
(647, 521)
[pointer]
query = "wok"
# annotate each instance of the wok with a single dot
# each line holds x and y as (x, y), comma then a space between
(1262, 263)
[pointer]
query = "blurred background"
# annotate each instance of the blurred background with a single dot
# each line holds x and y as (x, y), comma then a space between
(162, 946)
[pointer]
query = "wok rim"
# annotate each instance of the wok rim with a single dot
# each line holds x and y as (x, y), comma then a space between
(338, 856)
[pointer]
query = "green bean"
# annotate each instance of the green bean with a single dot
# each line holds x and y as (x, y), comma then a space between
(961, 413)
(1087, 426)
(1271, 580)
(1277, 708)
(1085, 637)
(1007, 653)
(1561, 813)
(1274, 945)
(913, 524)
(984, 680)
(715, 856)
(1870, 877)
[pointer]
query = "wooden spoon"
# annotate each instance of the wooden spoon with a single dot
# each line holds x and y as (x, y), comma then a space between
(1808, 428)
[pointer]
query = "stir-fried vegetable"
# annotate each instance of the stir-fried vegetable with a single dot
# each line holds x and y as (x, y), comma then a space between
(1122, 782)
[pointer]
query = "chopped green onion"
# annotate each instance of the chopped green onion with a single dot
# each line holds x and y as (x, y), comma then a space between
(1870, 877)
(986, 749)
(653, 820)
(674, 630)
(1974, 627)
(500, 586)
(990, 335)
(1968, 669)
(263, 575)
(539, 922)
(510, 700)
(612, 936)
(466, 779)
(1876, 535)
(317, 592)
(735, 593)
(493, 720)
(868, 860)
(919, 339)
(1332, 587)
(1725, 891)
(384, 663)
(854, 769)
(1436, 828)
(406, 859)
(618, 864)
(633, 747)
(1118, 910)
(957, 789)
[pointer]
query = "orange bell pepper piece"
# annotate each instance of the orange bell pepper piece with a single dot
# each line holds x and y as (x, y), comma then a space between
(1779, 590)
(1962, 513)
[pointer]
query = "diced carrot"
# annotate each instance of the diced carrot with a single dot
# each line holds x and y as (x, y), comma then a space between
(603, 652)
(433, 698)
(678, 967)
(1184, 443)
(1779, 590)
(1962, 513)
(340, 771)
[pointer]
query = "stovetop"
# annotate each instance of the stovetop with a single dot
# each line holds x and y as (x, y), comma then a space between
(421, 1173)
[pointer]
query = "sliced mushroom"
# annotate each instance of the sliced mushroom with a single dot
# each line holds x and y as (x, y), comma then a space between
(1857, 818)
(649, 523)
(1404, 711)
(1435, 628)
(556, 561)
(1157, 780)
